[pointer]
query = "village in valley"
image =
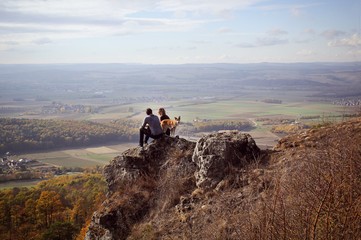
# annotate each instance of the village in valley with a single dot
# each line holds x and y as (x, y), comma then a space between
(12, 168)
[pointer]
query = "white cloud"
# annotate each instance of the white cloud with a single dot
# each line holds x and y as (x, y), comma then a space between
(126, 26)
(246, 45)
(305, 52)
(305, 36)
(296, 11)
(270, 38)
(221, 8)
(224, 30)
(115, 9)
(10, 43)
(28, 33)
(31, 20)
(30, 30)
(41, 41)
(330, 34)
(354, 53)
(26, 23)
(277, 32)
(271, 41)
(200, 42)
(263, 42)
(309, 31)
(352, 41)
(80, 8)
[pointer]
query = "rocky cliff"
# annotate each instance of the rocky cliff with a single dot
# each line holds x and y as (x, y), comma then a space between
(225, 187)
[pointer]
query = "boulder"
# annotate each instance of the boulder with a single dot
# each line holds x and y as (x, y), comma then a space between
(216, 153)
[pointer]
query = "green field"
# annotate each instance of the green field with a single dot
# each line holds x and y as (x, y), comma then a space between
(73, 158)
(239, 109)
(219, 109)
(224, 109)
(82, 157)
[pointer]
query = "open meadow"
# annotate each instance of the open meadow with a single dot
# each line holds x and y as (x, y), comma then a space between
(71, 158)
(241, 109)
(81, 157)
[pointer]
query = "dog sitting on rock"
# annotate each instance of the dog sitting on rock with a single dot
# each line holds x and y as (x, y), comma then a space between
(170, 124)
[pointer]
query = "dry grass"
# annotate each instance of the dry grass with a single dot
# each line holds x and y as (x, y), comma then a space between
(317, 195)
(308, 191)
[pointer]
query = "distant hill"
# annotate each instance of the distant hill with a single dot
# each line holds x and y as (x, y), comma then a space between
(54, 81)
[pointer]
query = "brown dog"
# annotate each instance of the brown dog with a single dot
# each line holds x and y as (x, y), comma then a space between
(170, 124)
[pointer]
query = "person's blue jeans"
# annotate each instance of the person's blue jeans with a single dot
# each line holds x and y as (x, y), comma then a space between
(147, 133)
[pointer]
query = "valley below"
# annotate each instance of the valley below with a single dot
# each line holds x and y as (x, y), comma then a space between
(268, 101)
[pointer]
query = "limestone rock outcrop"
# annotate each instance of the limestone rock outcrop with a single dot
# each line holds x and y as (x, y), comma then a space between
(135, 178)
(128, 193)
(214, 154)
(127, 167)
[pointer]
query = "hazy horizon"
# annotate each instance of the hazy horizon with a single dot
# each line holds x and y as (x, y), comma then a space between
(189, 63)
(110, 81)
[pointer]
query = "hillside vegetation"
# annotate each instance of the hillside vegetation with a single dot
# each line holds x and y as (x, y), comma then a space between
(55, 209)
(308, 187)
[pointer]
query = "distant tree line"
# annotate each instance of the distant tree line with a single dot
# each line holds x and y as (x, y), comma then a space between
(26, 135)
(217, 125)
(277, 101)
(23, 175)
(60, 208)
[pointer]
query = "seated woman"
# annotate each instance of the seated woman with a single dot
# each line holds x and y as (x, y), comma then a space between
(163, 116)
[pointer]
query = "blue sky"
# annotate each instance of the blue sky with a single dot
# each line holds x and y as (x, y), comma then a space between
(179, 31)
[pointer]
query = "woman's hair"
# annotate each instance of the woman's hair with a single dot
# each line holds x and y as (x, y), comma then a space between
(161, 111)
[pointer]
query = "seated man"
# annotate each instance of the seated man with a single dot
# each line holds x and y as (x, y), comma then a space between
(154, 129)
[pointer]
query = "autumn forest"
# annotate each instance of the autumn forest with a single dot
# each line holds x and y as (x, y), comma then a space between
(59, 208)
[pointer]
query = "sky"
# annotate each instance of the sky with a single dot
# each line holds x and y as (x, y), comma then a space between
(179, 31)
